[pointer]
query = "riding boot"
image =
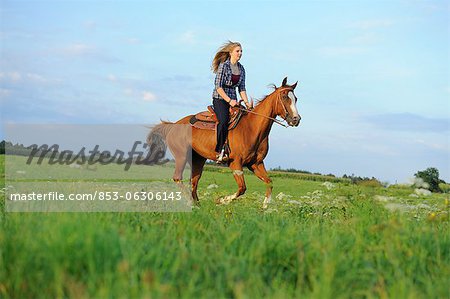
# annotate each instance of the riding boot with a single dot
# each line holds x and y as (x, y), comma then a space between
(222, 157)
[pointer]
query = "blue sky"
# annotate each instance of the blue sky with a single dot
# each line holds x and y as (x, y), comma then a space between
(374, 75)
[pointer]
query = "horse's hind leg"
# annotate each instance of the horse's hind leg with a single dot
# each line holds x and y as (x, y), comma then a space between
(181, 153)
(196, 172)
(238, 174)
(180, 164)
(178, 141)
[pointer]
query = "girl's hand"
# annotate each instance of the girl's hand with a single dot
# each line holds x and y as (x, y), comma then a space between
(233, 103)
(249, 106)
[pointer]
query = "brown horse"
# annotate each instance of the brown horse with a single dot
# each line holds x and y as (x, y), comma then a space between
(249, 141)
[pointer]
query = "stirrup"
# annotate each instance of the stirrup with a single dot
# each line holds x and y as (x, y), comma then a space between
(222, 157)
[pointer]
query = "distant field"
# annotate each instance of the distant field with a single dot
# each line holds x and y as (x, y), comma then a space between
(316, 240)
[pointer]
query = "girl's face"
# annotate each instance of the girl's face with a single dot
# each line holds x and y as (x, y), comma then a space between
(236, 53)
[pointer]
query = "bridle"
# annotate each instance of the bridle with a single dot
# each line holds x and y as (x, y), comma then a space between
(286, 113)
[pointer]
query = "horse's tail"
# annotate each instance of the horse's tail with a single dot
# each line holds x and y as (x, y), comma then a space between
(159, 131)
(156, 140)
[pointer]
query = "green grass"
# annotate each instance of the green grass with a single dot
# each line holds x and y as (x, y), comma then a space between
(312, 242)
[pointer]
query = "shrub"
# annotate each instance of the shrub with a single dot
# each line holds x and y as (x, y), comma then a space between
(370, 183)
(430, 176)
(444, 187)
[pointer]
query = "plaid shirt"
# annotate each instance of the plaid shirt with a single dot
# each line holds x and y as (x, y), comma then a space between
(223, 79)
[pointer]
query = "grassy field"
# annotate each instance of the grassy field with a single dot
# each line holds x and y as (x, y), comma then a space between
(315, 241)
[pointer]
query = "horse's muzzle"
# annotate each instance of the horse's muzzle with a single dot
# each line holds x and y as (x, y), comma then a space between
(294, 121)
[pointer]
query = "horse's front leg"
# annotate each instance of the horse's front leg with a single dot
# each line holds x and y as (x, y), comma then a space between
(260, 171)
(238, 174)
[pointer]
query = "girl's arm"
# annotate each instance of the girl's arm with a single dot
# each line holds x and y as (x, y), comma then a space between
(242, 91)
(244, 97)
(224, 96)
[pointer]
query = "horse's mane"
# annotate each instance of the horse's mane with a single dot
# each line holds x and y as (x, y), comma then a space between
(259, 101)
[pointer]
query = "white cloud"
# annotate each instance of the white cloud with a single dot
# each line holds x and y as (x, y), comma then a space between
(112, 78)
(10, 76)
(16, 77)
(144, 95)
(148, 96)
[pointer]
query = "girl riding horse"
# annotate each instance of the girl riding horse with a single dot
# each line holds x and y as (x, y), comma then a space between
(229, 75)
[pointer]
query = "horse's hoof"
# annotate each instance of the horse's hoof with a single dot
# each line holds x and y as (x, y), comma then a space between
(223, 200)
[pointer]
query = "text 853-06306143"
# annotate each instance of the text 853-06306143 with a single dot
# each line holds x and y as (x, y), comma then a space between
(98, 195)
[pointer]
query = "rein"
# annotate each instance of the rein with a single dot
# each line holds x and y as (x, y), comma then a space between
(268, 117)
(262, 115)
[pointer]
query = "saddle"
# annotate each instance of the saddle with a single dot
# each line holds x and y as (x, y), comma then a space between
(207, 120)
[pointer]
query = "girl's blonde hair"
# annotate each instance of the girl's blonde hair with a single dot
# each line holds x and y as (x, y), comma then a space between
(223, 54)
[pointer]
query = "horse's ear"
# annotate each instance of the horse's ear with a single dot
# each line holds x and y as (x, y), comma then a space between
(295, 85)
(284, 82)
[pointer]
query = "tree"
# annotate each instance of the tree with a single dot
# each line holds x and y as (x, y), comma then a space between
(430, 176)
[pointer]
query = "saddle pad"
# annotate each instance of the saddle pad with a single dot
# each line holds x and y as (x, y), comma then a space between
(206, 120)
(206, 116)
(203, 125)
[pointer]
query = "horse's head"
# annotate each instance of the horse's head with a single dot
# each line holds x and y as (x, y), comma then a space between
(286, 103)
